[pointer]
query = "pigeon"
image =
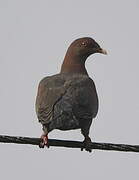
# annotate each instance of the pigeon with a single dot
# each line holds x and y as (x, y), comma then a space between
(69, 100)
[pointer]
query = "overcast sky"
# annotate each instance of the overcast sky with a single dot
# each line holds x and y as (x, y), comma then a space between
(34, 36)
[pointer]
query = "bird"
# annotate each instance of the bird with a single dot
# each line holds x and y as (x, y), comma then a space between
(68, 100)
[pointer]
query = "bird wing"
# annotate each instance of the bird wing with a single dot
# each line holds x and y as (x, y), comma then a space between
(50, 91)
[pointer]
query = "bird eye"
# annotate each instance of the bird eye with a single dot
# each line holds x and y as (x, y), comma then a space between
(83, 44)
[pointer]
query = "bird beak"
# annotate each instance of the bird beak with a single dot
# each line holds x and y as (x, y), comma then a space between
(103, 51)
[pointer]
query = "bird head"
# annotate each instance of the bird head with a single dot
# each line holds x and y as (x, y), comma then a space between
(84, 47)
(78, 52)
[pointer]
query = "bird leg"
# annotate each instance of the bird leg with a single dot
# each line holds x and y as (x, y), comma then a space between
(87, 144)
(44, 141)
(87, 141)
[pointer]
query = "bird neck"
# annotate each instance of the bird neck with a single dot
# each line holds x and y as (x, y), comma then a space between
(73, 64)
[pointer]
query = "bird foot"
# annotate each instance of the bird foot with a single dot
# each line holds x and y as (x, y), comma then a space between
(44, 141)
(87, 144)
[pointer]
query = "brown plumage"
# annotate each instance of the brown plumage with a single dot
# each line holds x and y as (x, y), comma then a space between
(69, 100)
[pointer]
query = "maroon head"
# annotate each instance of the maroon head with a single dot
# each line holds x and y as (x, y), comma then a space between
(78, 52)
(84, 47)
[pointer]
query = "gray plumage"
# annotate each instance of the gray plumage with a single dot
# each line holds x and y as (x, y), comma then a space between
(66, 102)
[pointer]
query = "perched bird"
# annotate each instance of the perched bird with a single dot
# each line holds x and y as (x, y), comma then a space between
(69, 100)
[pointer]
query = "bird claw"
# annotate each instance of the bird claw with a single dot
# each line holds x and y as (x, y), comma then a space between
(41, 145)
(86, 149)
(87, 145)
(44, 141)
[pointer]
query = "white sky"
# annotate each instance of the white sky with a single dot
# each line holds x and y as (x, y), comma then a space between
(34, 36)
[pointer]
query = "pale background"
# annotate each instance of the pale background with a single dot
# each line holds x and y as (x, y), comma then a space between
(34, 36)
